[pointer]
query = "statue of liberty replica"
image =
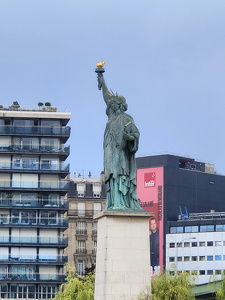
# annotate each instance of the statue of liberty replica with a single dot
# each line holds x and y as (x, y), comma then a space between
(123, 235)
(121, 140)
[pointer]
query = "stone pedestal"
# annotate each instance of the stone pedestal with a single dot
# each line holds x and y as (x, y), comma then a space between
(123, 255)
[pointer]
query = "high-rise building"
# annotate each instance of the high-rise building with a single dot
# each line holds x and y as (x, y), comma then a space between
(86, 198)
(187, 197)
(32, 206)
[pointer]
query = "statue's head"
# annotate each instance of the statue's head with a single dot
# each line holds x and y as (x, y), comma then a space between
(117, 103)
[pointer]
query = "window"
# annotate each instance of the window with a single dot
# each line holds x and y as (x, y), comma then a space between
(194, 244)
(206, 228)
(81, 209)
(172, 245)
(186, 258)
(218, 272)
(210, 243)
(97, 208)
(46, 292)
(218, 243)
(81, 247)
(210, 257)
(201, 244)
(81, 267)
(178, 229)
(179, 258)
(209, 272)
(191, 228)
(218, 257)
(220, 227)
(186, 244)
(202, 258)
(201, 272)
(171, 259)
(81, 228)
(194, 258)
(3, 291)
(194, 272)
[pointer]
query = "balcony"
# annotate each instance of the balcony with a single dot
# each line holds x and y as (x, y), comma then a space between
(81, 231)
(64, 151)
(53, 204)
(32, 259)
(81, 213)
(14, 221)
(81, 251)
(31, 277)
(27, 165)
(58, 186)
(34, 241)
(35, 130)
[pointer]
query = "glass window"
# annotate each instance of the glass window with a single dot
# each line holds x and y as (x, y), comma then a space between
(206, 228)
(220, 227)
(81, 209)
(171, 259)
(186, 258)
(194, 244)
(210, 257)
(179, 258)
(218, 257)
(194, 258)
(210, 243)
(201, 258)
(191, 228)
(218, 243)
(97, 208)
(209, 272)
(201, 272)
(202, 244)
(186, 244)
(81, 267)
(172, 245)
(218, 272)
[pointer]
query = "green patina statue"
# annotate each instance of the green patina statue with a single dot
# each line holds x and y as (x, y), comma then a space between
(120, 145)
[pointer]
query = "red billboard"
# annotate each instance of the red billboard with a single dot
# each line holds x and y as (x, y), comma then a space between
(150, 188)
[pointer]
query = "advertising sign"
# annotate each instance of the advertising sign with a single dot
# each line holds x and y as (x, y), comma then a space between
(150, 192)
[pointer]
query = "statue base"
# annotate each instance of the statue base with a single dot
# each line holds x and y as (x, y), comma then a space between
(123, 255)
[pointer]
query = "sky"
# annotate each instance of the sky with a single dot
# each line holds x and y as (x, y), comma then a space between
(166, 57)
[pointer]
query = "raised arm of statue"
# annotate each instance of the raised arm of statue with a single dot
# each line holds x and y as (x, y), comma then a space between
(102, 86)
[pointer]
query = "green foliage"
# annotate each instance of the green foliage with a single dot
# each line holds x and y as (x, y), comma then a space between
(77, 288)
(169, 287)
(220, 295)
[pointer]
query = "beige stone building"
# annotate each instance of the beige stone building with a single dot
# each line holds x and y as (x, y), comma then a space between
(86, 198)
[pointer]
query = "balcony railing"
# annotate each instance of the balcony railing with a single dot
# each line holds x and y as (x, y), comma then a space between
(31, 277)
(82, 213)
(27, 165)
(35, 185)
(81, 231)
(26, 203)
(35, 130)
(62, 150)
(81, 251)
(31, 259)
(45, 241)
(33, 221)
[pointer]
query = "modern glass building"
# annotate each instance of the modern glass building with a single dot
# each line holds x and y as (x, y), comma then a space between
(32, 206)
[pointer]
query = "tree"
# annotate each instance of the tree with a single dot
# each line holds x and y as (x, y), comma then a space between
(77, 288)
(169, 287)
(220, 295)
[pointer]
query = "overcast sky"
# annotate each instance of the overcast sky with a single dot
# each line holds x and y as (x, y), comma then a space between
(167, 57)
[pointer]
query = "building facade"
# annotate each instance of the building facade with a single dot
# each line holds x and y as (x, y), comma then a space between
(86, 198)
(187, 197)
(32, 207)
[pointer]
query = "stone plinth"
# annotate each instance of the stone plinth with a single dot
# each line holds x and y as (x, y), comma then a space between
(123, 255)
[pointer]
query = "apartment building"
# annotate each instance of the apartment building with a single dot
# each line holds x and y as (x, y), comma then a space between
(86, 198)
(32, 207)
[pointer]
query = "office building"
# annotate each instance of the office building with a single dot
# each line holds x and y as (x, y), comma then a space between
(86, 198)
(187, 197)
(33, 185)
